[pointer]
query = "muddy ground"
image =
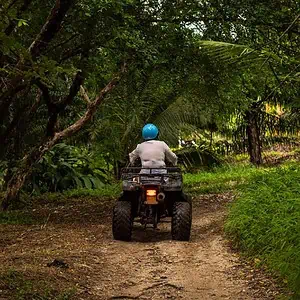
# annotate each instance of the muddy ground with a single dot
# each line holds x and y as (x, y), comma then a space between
(93, 266)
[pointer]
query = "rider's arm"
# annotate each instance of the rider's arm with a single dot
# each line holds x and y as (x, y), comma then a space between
(170, 156)
(134, 155)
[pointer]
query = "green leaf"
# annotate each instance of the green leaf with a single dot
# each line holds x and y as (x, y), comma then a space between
(70, 167)
(78, 182)
(22, 22)
(96, 182)
(87, 182)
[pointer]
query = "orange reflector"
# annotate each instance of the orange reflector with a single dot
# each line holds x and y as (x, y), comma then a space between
(151, 193)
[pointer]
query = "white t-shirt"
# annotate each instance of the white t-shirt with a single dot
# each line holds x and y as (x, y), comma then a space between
(153, 154)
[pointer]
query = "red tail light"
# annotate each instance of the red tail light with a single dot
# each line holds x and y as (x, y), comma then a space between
(151, 197)
(151, 193)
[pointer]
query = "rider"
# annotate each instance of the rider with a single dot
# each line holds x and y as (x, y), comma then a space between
(152, 152)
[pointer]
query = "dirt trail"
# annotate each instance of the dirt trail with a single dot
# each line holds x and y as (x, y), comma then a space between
(150, 267)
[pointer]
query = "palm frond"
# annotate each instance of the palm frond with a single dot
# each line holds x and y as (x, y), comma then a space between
(181, 116)
(233, 53)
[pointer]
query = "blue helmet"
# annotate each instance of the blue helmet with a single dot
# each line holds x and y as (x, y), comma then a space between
(149, 132)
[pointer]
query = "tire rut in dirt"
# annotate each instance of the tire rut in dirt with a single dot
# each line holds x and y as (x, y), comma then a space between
(181, 221)
(122, 221)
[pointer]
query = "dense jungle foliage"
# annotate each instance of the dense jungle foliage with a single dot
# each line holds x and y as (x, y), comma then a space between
(216, 77)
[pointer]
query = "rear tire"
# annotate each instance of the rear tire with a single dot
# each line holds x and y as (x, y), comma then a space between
(181, 221)
(122, 221)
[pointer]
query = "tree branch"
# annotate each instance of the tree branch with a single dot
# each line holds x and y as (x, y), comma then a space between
(18, 179)
(52, 108)
(90, 111)
(64, 42)
(55, 108)
(73, 91)
(50, 28)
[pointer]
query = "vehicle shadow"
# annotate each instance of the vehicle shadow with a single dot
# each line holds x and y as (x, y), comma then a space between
(142, 235)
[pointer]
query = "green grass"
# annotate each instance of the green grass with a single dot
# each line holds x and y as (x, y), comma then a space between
(264, 222)
(107, 191)
(18, 216)
(219, 179)
(19, 287)
(81, 195)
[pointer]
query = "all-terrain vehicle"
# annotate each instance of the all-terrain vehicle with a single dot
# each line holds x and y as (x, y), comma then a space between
(149, 195)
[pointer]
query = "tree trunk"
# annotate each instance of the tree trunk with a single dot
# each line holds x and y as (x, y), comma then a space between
(253, 135)
(50, 28)
(18, 179)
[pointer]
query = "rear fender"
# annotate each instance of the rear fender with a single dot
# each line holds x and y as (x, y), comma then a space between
(133, 197)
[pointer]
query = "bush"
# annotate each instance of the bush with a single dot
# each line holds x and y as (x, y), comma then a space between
(66, 167)
(264, 221)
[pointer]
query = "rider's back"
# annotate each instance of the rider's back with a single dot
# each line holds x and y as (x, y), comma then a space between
(153, 154)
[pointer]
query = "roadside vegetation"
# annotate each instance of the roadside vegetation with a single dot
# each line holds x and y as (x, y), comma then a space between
(219, 179)
(263, 221)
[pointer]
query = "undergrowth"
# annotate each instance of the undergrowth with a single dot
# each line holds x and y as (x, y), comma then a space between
(219, 179)
(108, 191)
(264, 221)
(22, 213)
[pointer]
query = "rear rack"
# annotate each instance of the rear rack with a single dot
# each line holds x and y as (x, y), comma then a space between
(170, 179)
(137, 170)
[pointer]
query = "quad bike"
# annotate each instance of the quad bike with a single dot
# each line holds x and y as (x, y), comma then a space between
(148, 196)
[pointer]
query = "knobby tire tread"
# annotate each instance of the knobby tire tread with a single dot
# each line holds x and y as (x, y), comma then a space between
(181, 221)
(122, 221)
